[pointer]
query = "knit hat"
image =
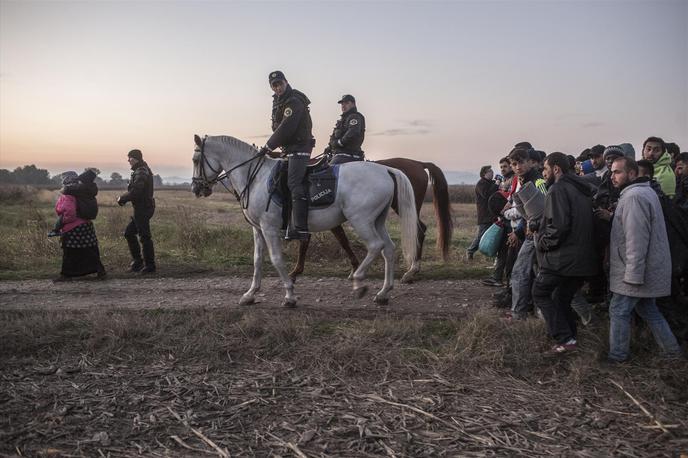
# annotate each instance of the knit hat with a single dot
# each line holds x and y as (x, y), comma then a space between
(586, 167)
(628, 150)
(484, 169)
(136, 154)
(613, 151)
(69, 177)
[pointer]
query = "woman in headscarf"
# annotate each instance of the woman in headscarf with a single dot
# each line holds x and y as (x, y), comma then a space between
(80, 253)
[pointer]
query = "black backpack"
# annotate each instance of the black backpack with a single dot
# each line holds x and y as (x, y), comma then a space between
(86, 207)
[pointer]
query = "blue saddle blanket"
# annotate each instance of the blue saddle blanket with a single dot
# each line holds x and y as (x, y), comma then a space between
(321, 184)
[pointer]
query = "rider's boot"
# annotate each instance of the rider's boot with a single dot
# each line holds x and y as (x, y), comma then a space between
(298, 229)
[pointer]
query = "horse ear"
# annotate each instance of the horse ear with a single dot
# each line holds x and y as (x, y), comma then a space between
(198, 140)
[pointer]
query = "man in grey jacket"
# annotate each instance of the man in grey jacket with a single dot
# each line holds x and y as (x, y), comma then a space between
(639, 259)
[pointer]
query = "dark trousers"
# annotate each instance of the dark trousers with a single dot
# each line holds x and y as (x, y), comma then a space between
(553, 293)
(140, 226)
(296, 182)
(482, 227)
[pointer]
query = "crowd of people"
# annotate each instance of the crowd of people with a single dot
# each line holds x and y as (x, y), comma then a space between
(600, 228)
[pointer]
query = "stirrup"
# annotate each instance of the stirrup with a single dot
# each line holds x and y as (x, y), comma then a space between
(297, 235)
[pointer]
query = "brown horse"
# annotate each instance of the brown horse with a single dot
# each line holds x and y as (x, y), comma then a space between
(415, 171)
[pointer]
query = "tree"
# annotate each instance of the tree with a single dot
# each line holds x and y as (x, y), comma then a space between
(30, 174)
(157, 180)
(116, 179)
(6, 177)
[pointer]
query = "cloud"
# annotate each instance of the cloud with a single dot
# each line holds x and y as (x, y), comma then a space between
(413, 127)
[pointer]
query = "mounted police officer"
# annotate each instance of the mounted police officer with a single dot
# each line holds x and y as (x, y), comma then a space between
(140, 194)
(291, 127)
(348, 134)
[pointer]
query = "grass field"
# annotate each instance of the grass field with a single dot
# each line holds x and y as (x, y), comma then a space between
(191, 234)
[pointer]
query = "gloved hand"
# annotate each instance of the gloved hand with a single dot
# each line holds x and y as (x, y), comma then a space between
(120, 201)
(264, 151)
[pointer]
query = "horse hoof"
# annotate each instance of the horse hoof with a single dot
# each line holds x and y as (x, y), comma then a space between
(381, 300)
(247, 300)
(289, 303)
(360, 292)
(407, 278)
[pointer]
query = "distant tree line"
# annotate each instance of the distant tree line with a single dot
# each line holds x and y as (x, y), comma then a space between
(32, 175)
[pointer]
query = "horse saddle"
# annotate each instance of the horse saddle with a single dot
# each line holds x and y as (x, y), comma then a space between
(321, 183)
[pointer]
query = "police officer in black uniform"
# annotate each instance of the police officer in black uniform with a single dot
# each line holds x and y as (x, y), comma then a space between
(292, 131)
(140, 194)
(348, 134)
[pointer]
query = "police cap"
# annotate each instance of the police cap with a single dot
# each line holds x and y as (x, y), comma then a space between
(347, 98)
(276, 76)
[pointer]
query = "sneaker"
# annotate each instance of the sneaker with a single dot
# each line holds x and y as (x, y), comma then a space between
(491, 282)
(560, 349)
(135, 266)
(148, 269)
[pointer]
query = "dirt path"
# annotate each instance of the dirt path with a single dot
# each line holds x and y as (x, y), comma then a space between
(436, 297)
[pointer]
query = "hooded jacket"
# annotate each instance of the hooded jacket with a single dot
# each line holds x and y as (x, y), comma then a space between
(665, 175)
(350, 131)
(564, 241)
(291, 123)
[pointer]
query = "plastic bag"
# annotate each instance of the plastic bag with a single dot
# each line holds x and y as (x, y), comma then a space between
(491, 240)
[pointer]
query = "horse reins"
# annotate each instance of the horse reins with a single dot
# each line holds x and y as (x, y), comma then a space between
(244, 197)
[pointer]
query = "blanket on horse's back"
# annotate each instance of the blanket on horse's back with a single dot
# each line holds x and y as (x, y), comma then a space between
(321, 184)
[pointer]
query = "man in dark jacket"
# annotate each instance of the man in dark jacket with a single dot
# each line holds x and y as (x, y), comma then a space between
(483, 190)
(140, 194)
(564, 248)
(292, 131)
(348, 134)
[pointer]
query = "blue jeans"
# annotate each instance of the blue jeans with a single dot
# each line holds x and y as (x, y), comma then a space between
(620, 309)
(522, 279)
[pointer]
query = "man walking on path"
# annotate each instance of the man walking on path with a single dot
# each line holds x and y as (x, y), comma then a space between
(640, 263)
(564, 249)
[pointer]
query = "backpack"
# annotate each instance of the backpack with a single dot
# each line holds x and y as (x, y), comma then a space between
(86, 207)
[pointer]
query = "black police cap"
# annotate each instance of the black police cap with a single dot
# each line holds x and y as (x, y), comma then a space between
(276, 76)
(347, 98)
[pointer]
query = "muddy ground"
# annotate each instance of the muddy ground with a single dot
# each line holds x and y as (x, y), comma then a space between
(175, 367)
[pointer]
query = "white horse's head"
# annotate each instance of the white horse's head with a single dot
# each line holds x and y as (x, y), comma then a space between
(206, 167)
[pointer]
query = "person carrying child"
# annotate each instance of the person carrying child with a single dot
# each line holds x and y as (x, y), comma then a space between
(76, 208)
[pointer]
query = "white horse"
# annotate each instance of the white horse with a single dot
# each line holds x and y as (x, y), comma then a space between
(364, 194)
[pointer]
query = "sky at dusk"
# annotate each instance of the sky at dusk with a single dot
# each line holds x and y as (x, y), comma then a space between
(455, 83)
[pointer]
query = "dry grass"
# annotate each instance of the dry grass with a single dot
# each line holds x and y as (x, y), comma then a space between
(191, 234)
(335, 386)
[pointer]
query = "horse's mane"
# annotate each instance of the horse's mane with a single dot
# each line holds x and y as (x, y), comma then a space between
(236, 143)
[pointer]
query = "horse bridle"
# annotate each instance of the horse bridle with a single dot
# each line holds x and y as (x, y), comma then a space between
(242, 197)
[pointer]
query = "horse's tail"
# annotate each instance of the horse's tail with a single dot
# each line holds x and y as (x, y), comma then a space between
(440, 199)
(406, 202)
